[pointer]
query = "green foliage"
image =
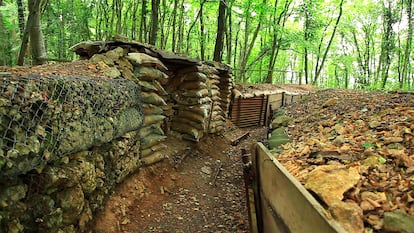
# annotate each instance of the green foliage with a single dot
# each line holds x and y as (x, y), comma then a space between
(352, 61)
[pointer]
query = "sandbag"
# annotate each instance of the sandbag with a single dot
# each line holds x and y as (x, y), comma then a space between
(159, 88)
(153, 158)
(147, 86)
(196, 93)
(151, 129)
(201, 109)
(148, 151)
(190, 85)
(146, 60)
(152, 119)
(192, 100)
(196, 76)
(150, 109)
(149, 74)
(197, 125)
(151, 140)
(188, 132)
(191, 116)
(152, 98)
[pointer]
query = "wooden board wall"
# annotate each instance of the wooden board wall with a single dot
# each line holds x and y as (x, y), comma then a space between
(284, 204)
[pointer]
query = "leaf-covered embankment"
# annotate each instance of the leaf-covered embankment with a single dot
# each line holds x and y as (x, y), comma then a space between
(355, 150)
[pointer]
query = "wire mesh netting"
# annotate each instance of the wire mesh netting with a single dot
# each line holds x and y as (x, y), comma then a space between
(45, 118)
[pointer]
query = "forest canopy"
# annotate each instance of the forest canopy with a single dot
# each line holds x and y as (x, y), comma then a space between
(332, 43)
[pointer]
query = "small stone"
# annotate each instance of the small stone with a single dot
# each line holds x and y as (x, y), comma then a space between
(398, 221)
(330, 102)
(374, 124)
(349, 215)
(281, 121)
(206, 170)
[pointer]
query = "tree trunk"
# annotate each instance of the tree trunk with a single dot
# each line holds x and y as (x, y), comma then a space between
(320, 67)
(20, 13)
(221, 28)
(155, 5)
(143, 22)
(134, 21)
(36, 36)
(229, 35)
(407, 51)
(202, 36)
(174, 25)
(193, 24)
(181, 28)
(277, 39)
(247, 48)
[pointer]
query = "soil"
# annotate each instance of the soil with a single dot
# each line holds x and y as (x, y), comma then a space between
(200, 188)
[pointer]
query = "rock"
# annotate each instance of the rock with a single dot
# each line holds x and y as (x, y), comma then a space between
(398, 221)
(115, 54)
(281, 121)
(276, 141)
(339, 141)
(330, 182)
(330, 102)
(206, 170)
(389, 140)
(374, 124)
(72, 202)
(12, 194)
(349, 215)
(112, 72)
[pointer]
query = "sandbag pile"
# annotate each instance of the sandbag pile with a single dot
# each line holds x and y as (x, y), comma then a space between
(193, 103)
(226, 86)
(217, 116)
(151, 76)
(197, 93)
(150, 73)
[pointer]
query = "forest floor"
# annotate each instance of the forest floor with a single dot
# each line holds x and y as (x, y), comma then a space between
(200, 188)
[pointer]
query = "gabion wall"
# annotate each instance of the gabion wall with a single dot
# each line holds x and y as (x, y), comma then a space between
(64, 144)
(42, 119)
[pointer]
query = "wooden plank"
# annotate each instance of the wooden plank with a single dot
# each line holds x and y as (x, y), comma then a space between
(292, 206)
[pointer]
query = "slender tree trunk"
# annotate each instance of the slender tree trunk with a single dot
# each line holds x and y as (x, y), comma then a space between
(229, 35)
(143, 22)
(20, 13)
(155, 5)
(193, 24)
(134, 21)
(407, 50)
(174, 25)
(37, 43)
(247, 48)
(202, 35)
(279, 23)
(221, 28)
(320, 67)
(181, 28)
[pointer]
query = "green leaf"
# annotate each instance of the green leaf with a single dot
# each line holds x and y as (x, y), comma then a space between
(382, 160)
(367, 145)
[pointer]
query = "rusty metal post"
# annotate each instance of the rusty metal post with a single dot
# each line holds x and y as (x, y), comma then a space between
(248, 175)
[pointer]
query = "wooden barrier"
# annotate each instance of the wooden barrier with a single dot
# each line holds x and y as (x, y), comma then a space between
(258, 110)
(282, 203)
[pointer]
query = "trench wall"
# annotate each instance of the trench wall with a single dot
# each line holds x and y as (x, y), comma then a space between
(66, 141)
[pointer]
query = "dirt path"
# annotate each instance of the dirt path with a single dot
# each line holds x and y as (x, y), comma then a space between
(184, 197)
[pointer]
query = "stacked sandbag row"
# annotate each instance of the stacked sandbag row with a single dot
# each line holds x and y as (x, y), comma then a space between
(217, 116)
(226, 86)
(150, 75)
(193, 104)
